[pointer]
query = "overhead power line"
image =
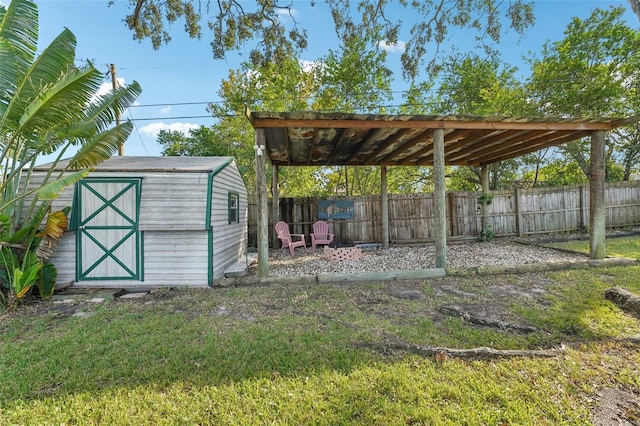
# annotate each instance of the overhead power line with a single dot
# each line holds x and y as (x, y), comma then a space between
(174, 104)
(171, 118)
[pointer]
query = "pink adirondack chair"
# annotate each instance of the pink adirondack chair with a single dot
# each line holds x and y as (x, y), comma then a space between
(320, 234)
(287, 239)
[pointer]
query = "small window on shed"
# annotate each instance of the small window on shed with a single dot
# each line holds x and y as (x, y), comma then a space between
(234, 208)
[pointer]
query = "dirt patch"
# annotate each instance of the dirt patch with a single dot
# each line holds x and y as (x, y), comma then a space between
(616, 407)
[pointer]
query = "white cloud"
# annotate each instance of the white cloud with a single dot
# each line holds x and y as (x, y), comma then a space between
(398, 47)
(153, 129)
(287, 12)
(107, 87)
(311, 66)
(104, 89)
(166, 110)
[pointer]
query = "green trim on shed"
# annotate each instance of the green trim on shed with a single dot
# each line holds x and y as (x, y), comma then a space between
(208, 226)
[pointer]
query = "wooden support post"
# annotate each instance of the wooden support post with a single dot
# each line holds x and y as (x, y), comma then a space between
(384, 201)
(114, 86)
(263, 207)
(597, 219)
(275, 202)
(439, 198)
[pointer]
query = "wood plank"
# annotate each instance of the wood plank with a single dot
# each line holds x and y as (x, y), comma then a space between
(383, 275)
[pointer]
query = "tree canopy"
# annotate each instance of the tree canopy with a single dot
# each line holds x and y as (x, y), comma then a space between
(237, 23)
(592, 71)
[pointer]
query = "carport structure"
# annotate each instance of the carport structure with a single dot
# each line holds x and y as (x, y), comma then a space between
(344, 139)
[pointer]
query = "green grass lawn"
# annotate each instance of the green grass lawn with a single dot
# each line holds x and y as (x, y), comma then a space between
(618, 247)
(293, 355)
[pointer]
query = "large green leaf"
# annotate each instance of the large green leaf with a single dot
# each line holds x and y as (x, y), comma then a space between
(40, 79)
(47, 282)
(19, 32)
(101, 147)
(29, 228)
(103, 111)
(51, 190)
(23, 280)
(52, 108)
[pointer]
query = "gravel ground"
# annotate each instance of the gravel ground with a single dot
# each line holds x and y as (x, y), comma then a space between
(498, 252)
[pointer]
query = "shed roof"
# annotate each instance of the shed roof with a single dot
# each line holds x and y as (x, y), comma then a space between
(154, 164)
(330, 139)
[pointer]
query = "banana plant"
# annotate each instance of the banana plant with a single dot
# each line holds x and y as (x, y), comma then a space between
(48, 106)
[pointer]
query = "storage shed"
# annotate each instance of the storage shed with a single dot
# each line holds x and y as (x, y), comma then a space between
(153, 221)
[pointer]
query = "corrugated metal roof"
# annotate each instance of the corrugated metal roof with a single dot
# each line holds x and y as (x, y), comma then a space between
(154, 164)
(330, 139)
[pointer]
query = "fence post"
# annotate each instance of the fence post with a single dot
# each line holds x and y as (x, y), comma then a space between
(518, 212)
(584, 218)
(453, 220)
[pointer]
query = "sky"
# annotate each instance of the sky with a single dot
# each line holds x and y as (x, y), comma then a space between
(181, 78)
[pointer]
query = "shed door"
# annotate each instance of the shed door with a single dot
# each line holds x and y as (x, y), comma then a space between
(107, 237)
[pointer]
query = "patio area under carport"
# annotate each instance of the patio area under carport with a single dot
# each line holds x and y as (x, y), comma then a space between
(343, 139)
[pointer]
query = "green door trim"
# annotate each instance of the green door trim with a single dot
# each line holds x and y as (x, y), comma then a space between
(109, 252)
(109, 203)
(84, 231)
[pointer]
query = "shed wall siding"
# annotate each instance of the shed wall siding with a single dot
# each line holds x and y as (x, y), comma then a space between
(173, 201)
(177, 258)
(229, 240)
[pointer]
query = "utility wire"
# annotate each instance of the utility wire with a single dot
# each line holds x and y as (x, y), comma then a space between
(138, 133)
(171, 118)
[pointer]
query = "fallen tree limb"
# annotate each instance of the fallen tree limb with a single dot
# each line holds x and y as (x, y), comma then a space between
(473, 353)
(457, 311)
(624, 299)
(394, 343)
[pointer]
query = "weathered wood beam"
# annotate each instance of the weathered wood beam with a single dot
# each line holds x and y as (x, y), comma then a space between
(263, 212)
(368, 140)
(316, 136)
(385, 145)
(439, 199)
(473, 145)
(526, 146)
(390, 151)
(459, 141)
(340, 140)
(509, 151)
(428, 124)
(384, 201)
(413, 274)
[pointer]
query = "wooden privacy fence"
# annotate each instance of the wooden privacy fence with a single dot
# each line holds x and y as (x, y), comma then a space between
(518, 212)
